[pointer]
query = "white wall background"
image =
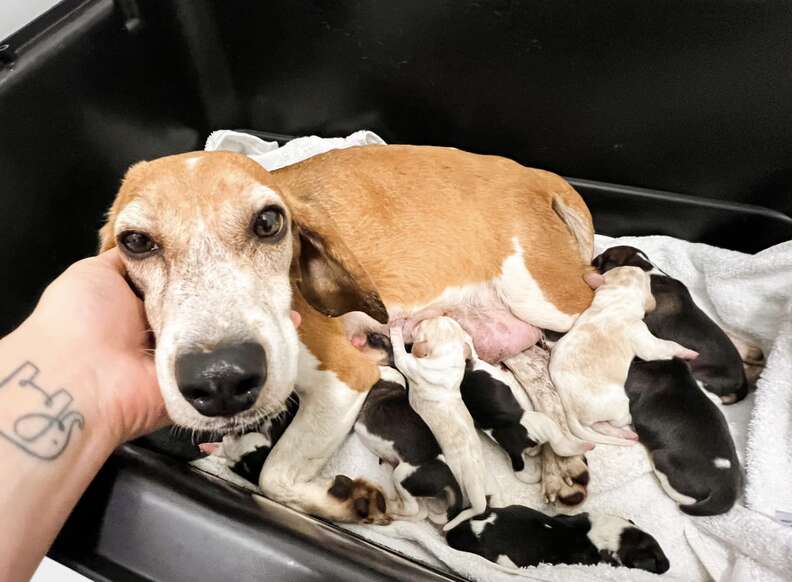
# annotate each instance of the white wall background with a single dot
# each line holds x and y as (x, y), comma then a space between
(14, 14)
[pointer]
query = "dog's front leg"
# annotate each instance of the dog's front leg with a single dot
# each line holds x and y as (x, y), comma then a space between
(328, 410)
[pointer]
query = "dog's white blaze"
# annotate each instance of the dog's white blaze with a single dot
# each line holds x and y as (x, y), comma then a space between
(506, 561)
(721, 463)
(519, 290)
(680, 498)
(477, 525)
(606, 531)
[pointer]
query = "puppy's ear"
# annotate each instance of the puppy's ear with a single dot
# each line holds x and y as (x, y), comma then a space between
(420, 349)
(594, 280)
(325, 270)
(598, 261)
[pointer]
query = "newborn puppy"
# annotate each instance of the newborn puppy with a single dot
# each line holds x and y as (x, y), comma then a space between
(589, 364)
(719, 367)
(686, 435)
(500, 408)
(434, 371)
(517, 537)
(396, 434)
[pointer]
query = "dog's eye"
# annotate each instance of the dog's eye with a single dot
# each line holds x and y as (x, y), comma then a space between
(268, 223)
(137, 243)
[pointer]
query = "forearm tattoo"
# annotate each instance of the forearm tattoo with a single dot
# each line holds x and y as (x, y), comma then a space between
(44, 424)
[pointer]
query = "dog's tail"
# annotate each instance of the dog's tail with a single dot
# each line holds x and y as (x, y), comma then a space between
(571, 209)
(588, 434)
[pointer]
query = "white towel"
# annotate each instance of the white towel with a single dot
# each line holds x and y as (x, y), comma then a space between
(749, 294)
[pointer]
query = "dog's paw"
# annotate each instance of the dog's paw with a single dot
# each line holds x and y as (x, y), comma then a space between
(361, 501)
(564, 479)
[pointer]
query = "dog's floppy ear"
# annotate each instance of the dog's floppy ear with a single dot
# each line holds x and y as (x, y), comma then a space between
(326, 272)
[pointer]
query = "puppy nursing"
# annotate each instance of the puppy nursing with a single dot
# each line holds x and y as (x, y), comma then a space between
(677, 317)
(589, 364)
(393, 431)
(434, 370)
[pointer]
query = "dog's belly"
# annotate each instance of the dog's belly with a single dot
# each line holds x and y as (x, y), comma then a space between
(497, 334)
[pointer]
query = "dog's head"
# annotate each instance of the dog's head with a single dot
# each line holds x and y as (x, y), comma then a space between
(621, 256)
(216, 249)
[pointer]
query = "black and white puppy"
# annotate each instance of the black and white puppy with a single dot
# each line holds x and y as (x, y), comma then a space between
(719, 367)
(686, 435)
(517, 536)
(389, 427)
(501, 409)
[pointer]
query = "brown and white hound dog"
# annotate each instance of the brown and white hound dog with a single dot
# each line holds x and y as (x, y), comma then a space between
(223, 250)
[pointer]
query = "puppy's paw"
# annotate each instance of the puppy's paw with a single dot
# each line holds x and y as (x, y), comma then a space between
(688, 354)
(564, 479)
(361, 501)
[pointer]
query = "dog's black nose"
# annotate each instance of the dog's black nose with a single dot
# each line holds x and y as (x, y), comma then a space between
(222, 382)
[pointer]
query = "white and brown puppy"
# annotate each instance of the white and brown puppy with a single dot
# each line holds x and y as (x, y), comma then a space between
(222, 250)
(589, 364)
(517, 537)
(434, 371)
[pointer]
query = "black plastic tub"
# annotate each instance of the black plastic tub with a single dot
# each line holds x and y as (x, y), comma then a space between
(672, 117)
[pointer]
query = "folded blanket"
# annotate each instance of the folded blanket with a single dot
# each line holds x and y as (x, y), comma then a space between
(746, 294)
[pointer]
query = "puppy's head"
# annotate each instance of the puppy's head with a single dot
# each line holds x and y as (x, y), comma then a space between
(216, 249)
(621, 256)
(631, 277)
(439, 336)
(620, 542)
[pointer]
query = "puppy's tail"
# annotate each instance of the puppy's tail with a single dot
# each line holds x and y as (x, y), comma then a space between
(569, 207)
(588, 434)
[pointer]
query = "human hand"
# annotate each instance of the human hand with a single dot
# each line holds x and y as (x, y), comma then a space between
(89, 321)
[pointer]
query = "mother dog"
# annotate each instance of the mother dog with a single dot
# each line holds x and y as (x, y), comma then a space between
(222, 250)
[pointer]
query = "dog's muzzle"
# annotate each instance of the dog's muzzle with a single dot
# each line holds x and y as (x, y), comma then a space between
(224, 381)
